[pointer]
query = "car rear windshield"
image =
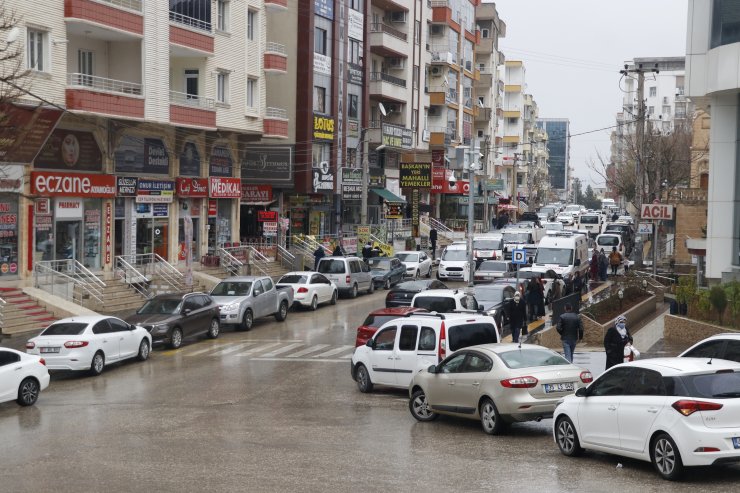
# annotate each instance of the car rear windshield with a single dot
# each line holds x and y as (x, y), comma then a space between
(411, 286)
(378, 320)
(408, 257)
(166, 306)
(293, 279)
(64, 329)
(589, 219)
(230, 288)
(494, 266)
(487, 244)
(380, 263)
(441, 304)
(455, 255)
(607, 241)
(516, 238)
(332, 266)
(725, 385)
(471, 334)
(527, 358)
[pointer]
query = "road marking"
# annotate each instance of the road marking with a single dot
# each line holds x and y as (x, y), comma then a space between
(260, 349)
(282, 350)
(214, 347)
(334, 351)
(306, 360)
(232, 349)
(311, 349)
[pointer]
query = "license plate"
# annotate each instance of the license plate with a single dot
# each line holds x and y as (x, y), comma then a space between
(736, 442)
(558, 387)
(50, 349)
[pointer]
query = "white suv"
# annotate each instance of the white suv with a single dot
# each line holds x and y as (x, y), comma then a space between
(443, 301)
(402, 347)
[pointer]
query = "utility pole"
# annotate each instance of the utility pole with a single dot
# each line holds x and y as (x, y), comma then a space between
(514, 196)
(365, 175)
(472, 159)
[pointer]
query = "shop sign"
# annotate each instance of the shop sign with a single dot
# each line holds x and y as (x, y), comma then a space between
(141, 156)
(190, 160)
(108, 230)
(323, 127)
(267, 216)
(324, 8)
(192, 187)
(355, 24)
(256, 193)
(321, 64)
(212, 208)
(11, 178)
(155, 191)
(270, 229)
(126, 186)
(42, 207)
(160, 210)
(221, 163)
(657, 211)
(323, 177)
(8, 220)
(355, 73)
(351, 184)
(415, 193)
(268, 164)
(70, 150)
(68, 209)
(396, 136)
(393, 211)
(438, 176)
(24, 130)
(494, 185)
(376, 179)
(225, 188)
(438, 159)
(349, 244)
(441, 182)
(353, 129)
(55, 184)
(415, 175)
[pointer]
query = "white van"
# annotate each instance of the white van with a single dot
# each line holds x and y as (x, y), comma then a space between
(590, 223)
(452, 263)
(443, 300)
(488, 247)
(402, 347)
(564, 252)
(526, 238)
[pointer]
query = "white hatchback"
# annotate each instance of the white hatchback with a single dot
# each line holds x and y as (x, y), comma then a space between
(90, 343)
(22, 377)
(674, 412)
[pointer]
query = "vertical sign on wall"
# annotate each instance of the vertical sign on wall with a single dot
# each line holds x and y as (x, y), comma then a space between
(340, 85)
(188, 227)
(108, 220)
(415, 207)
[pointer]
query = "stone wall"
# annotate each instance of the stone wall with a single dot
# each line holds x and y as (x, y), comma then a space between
(688, 332)
(690, 219)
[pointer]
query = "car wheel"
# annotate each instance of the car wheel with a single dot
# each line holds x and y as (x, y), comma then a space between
(28, 392)
(416, 274)
(282, 313)
(248, 320)
(353, 291)
(490, 418)
(438, 278)
(176, 338)
(334, 298)
(419, 407)
(429, 272)
(387, 284)
(144, 350)
(98, 364)
(371, 289)
(363, 379)
(314, 303)
(567, 438)
(666, 457)
(215, 329)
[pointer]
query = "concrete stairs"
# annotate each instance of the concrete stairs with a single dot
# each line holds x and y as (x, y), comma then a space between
(21, 314)
(274, 269)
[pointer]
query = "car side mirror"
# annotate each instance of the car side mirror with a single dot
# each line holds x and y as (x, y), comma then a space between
(186, 311)
(582, 392)
(256, 293)
(481, 308)
(131, 327)
(370, 343)
(432, 369)
(578, 262)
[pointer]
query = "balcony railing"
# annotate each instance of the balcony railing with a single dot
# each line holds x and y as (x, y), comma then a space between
(451, 96)
(190, 21)
(126, 4)
(379, 27)
(93, 82)
(439, 3)
(276, 113)
(277, 48)
(380, 76)
(183, 99)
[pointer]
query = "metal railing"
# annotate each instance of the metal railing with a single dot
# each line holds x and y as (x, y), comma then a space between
(279, 48)
(85, 81)
(271, 112)
(229, 262)
(126, 4)
(151, 264)
(285, 258)
(258, 261)
(196, 101)
(190, 21)
(379, 27)
(2, 314)
(381, 76)
(131, 276)
(68, 279)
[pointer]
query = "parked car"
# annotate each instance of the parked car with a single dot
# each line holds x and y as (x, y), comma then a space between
(403, 293)
(489, 270)
(556, 226)
(721, 346)
(626, 219)
(628, 235)
(498, 384)
(310, 288)
(170, 318)
(350, 274)
(386, 271)
(565, 218)
(376, 318)
(443, 300)
(245, 298)
(90, 343)
(673, 412)
(495, 300)
(402, 347)
(452, 262)
(417, 263)
(22, 377)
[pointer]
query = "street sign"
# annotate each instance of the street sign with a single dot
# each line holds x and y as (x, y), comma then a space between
(657, 211)
(518, 256)
(645, 228)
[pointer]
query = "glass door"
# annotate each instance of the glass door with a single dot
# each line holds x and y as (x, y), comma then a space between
(68, 240)
(85, 67)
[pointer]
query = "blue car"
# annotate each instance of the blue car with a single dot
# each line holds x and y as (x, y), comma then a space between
(386, 271)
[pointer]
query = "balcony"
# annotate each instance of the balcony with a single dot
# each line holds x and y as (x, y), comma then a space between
(104, 19)
(190, 37)
(441, 54)
(192, 111)
(441, 136)
(277, 4)
(486, 77)
(483, 115)
(386, 86)
(93, 94)
(275, 123)
(275, 58)
(485, 47)
(387, 41)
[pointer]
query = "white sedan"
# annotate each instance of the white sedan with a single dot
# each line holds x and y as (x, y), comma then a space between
(310, 288)
(417, 263)
(90, 343)
(674, 412)
(22, 377)
(565, 218)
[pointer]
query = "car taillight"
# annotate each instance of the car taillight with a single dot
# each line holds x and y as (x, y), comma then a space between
(707, 449)
(30, 345)
(519, 382)
(586, 377)
(42, 361)
(348, 279)
(442, 350)
(303, 290)
(689, 407)
(475, 253)
(75, 344)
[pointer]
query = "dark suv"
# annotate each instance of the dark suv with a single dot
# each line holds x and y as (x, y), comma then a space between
(170, 318)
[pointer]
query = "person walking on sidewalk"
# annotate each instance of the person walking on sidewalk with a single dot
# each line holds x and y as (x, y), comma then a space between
(535, 297)
(517, 317)
(615, 339)
(594, 266)
(570, 329)
(433, 241)
(318, 254)
(615, 260)
(603, 265)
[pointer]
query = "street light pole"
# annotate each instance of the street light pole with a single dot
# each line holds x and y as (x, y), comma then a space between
(365, 177)
(471, 224)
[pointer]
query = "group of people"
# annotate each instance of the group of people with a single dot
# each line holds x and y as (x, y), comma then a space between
(601, 263)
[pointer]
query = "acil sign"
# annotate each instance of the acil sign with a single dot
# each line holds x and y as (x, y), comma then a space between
(657, 212)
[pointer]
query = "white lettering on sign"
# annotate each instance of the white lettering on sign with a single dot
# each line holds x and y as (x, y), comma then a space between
(657, 211)
(71, 185)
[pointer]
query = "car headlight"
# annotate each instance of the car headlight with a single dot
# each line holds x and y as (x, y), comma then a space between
(160, 328)
(231, 307)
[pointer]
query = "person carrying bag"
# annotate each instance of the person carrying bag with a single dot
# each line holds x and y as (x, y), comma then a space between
(616, 339)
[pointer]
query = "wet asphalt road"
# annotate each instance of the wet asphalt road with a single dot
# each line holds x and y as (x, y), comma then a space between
(275, 409)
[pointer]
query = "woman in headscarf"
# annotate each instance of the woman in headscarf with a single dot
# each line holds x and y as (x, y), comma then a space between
(615, 340)
(517, 317)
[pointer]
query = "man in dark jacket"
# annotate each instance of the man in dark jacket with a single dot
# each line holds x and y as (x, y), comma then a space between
(570, 329)
(517, 316)
(433, 241)
(367, 251)
(318, 254)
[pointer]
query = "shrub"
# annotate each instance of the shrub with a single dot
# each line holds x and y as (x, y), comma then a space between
(718, 299)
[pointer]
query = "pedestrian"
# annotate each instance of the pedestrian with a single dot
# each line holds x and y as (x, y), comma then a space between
(556, 292)
(541, 304)
(338, 251)
(578, 283)
(615, 260)
(517, 317)
(535, 298)
(317, 256)
(603, 265)
(626, 265)
(615, 339)
(594, 266)
(433, 241)
(570, 329)
(367, 251)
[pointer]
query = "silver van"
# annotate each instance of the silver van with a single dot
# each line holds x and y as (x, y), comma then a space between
(350, 274)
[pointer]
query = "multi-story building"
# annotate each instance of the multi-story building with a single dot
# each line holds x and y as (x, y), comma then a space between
(514, 76)
(532, 182)
(558, 148)
(146, 107)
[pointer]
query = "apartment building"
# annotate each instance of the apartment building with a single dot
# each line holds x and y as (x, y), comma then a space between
(146, 109)
(532, 178)
(558, 150)
(513, 75)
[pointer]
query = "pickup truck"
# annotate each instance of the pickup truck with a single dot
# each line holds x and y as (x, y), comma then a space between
(244, 298)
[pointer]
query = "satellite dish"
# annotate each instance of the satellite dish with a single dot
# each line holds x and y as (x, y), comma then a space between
(382, 109)
(13, 35)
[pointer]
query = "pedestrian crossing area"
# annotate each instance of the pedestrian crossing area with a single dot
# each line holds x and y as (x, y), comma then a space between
(267, 350)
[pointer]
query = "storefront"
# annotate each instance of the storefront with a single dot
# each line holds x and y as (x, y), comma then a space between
(221, 191)
(254, 200)
(11, 185)
(191, 193)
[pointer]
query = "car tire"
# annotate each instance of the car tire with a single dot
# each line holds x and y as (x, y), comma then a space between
(420, 408)
(364, 384)
(215, 329)
(416, 275)
(371, 289)
(282, 312)
(567, 437)
(176, 338)
(28, 392)
(665, 457)
(333, 298)
(353, 291)
(314, 303)
(144, 350)
(490, 419)
(97, 365)
(429, 272)
(247, 320)
(387, 284)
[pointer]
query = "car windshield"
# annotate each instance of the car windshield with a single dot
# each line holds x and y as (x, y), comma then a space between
(527, 358)
(408, 257)
(489, 295)
(494, 244)
(559, 256)
(724, 385)
(554, 226)
(589, 219)
(166, 306)
(64, 329)
(516, 237)
(232, 288)
(455, 255)
(293, 279)
(380, 263)
(331, 266)
(493, 266)
(378, 320)
(573, 208)
(607, 241)
(411, 286)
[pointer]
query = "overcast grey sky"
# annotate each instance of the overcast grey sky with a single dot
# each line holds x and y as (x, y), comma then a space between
(573, 50)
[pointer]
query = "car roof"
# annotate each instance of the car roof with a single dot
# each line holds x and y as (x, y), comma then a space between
(409, 251)
(618, 235)
(396, 310)
(83, 319)
(242, 278)
(440, 292)
(451, 316)
(684, 365)
(508, 346)
(172, 296)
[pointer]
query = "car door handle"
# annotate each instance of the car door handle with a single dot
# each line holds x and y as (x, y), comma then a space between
(652, 410)
(451, 382)
(476, 384)
(612, 408)
(19, 368)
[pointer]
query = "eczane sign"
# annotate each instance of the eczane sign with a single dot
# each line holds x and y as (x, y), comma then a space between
(657, 212)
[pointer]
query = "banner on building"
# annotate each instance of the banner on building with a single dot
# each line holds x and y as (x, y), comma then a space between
(155, 191)
(70, 150)
(141, 156)
(396, 136)
(24, 130)
(225, 188)
(190, 160)
(415, 197)
(256, 194)
(268, 164)
(323, 127)
(55, 184)
(415, 175)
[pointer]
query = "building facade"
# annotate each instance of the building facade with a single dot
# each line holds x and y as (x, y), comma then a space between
(558, 148)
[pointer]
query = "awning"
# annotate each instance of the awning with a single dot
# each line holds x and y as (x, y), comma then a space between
(261, 204)
(387, 195)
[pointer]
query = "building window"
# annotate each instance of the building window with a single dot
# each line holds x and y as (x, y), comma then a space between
(651, 110)
(191, 83)
(85, 67)
(415, 120)
(415, 80)
(222, 87)
(192, 13)
(37, 50)
(252, 93)
(484, 33)
(251, 25)
(352, 106)
(354, 52)
(653, 91)
(667, 110)
(222, 9)
(355, 5)
(319, 99)
(417, 32)
(725, 23)
(319, 41)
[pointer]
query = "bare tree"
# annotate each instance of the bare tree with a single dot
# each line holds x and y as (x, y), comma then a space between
(12, 73)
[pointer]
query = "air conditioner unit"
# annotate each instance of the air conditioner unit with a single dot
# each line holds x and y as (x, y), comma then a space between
(398, 16)
(396, 62)
(436, 71)
(434, 111)
(437, 30)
